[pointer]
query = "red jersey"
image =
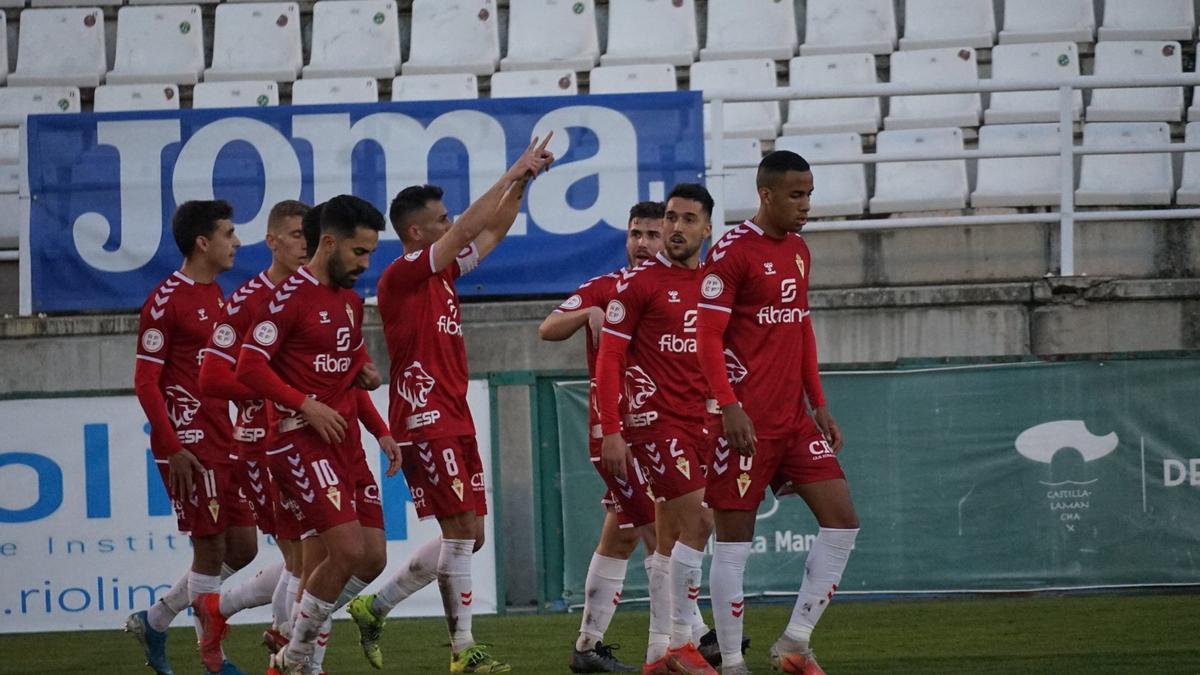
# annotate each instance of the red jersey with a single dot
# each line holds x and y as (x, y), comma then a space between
(250, 426)
(423, 327)
(595, 292)
(760, 284)
(312, 335)
(655, 311)
(175, 324)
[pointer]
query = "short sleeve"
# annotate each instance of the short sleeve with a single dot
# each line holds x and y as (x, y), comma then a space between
(590, 294)
(154, 329)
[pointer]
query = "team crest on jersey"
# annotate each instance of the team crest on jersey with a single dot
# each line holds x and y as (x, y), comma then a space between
(615, 312)
(152, 340)
(684, 466)
(214, 509)
(335, 497)
(457, 486)
(743, 483)
(224, 336)
(415, 384)
(712, 287)
(181, 405)
(800, 265)
(350, 314)
(638, 387)
(573, 302)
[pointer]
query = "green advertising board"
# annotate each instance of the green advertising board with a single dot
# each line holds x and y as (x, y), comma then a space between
(975, 478)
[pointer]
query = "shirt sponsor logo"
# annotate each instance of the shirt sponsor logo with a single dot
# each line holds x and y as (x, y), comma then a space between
(615, 312)
(780, 315)
(224, 336)
(423, 419)
(325, 363)
(787, 290)
(152, 340)
(712, 287)
(266, 333)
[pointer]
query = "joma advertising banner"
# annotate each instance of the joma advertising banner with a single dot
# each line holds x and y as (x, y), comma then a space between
(981, 478)
(102, 187)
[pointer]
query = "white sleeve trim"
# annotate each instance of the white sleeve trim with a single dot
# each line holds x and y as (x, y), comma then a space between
(152, 359)
(716, 307)
(432, 259)
(257, 349)
(468, 262)
(619, 334)
(223, 355)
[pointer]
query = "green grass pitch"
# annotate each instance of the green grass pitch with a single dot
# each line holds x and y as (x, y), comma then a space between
(1091, 634)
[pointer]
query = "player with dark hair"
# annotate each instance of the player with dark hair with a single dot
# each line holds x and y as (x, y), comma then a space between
(191, 433)
(218, 379)
(304, 354)
(648, 349)
(759, 356)
(428, 405)
(629, 510)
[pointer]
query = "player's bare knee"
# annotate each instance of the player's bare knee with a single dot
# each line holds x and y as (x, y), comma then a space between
(458, 526)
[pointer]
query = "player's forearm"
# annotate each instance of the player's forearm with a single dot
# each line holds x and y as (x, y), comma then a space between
(710, 350)
(502, 220)
(255, 372)
(609, 362)
(810, 370)
(562, 325)
(145, 386)
(369, 415)
(468, 226)
(218, 379)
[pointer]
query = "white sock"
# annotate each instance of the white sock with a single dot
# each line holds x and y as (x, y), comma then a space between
(420, 571)
(306, 626)
(253, 592)
(728, 601)
(280, 609)
(454, 582)
(659, 569)
(322, 643)
(822, 572)
(699, 628)
(162, 613)
(602, 593)
(226, 571)
(350, 591)
(686, 563)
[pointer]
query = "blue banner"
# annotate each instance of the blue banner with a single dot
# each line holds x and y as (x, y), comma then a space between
(104, 186)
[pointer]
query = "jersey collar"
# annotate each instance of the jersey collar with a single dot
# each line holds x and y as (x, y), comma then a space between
(752, 226)
(262, 276)
(303, 271)
(183, 277)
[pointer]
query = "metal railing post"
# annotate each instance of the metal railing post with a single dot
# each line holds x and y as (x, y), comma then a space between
(1066, 138)
(715, 180)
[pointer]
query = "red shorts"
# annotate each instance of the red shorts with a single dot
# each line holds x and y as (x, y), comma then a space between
(629, 498)
(215, 504)
(257, 489)
(367, 504)
(738, 483)
(674, 467)
(445, 476)
(310, 473)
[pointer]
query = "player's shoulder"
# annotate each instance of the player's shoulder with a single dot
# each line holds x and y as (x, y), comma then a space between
(254, 290)
(291, 291)
(602, 280)
(167, 294)
(734, 241)
(639, 276)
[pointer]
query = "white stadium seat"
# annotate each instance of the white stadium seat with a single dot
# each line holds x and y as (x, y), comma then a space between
(750, 29)
(335, 90)
(1111, 180)
(118, 97)
(1148, 20)
(256, 41)
(919, 185)
(10, 162)
(953, 65)
(1189, 187)
(1017, 181)
(826, 71)
(651, 31)
(235, 94)
(445, 87)
(454, 36)
(61, 47)
(3, 47)
(1050, 61)
(16, 103)
(753, 119)
(740, 192)
(550, 34)
(515, 83)
(1041, 21)
(849, 26)
(1137, 104)
(354, 38)
(838, 189)
(633, 78)
(948, 23)
(171, 2)
(159, 44)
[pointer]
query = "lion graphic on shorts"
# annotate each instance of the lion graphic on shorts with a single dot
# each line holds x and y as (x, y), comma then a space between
(638, 387)
(414, 386)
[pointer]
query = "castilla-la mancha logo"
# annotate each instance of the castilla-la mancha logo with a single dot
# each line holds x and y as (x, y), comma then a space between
(1067, 496)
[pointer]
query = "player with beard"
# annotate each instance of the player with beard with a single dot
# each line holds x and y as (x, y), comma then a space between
(758, 353)
(629, 510)
(428, 409)
(304, 353)
(191, 433)
(650, 327)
